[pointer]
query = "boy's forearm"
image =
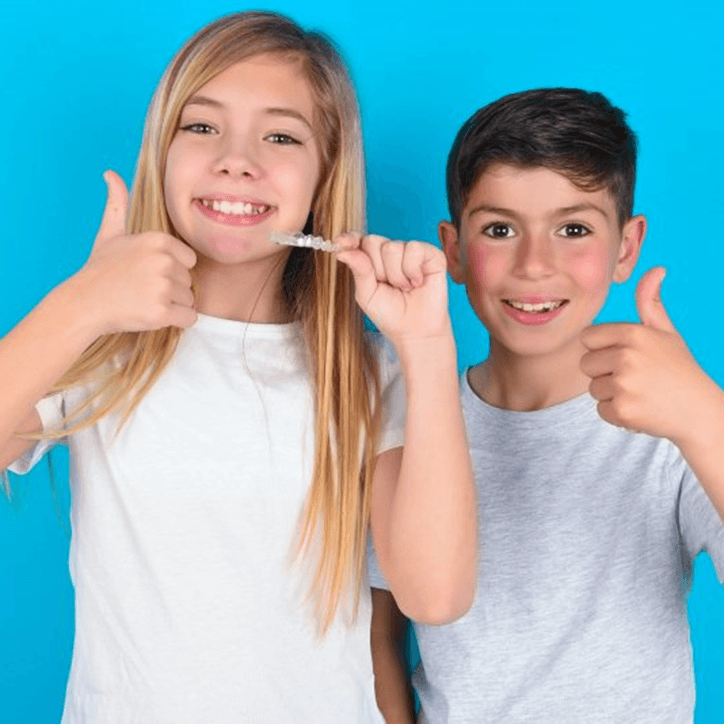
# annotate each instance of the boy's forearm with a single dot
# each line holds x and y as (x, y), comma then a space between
(392, 687)
(394, 695)
(433, 514)
(702, 442)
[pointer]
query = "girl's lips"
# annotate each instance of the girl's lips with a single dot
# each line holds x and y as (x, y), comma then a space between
(232, 219)
(533, 318)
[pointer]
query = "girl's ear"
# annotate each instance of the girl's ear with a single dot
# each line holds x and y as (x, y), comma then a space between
(632, 238)
(450, 242)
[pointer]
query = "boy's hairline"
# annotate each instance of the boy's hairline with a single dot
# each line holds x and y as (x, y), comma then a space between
(579, 182)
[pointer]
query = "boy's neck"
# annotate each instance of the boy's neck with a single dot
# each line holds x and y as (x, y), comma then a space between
(527, 383)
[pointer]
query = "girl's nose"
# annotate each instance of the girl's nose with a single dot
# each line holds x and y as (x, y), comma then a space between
(239, 160)
(535, 258)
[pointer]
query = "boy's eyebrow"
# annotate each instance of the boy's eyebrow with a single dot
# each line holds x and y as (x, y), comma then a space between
(491, 210)
(581, 207)
(198, 100)
(558, 212)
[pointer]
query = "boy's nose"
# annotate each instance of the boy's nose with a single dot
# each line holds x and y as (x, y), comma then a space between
(535, 258)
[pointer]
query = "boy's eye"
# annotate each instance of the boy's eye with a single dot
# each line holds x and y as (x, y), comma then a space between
(499, 231)
(283, 139)
(202, 128)
(574, 231)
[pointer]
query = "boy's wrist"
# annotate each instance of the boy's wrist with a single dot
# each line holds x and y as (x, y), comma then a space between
(702, 424)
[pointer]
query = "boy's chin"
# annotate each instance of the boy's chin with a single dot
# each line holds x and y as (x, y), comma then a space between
(542, 347)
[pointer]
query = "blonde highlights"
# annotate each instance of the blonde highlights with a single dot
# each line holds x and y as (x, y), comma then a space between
(317, 291)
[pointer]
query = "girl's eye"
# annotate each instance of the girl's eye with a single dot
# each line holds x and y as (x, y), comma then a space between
(282, 139)
(203, 128)
(574, 231)
(499, 231)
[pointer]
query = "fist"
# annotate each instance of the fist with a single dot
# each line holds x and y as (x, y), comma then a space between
(136, 282)
(400, 286)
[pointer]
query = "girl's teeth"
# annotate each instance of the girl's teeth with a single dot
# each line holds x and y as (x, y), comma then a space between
(238, 208)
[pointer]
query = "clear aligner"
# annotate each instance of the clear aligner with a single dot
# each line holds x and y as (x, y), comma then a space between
(303, 240)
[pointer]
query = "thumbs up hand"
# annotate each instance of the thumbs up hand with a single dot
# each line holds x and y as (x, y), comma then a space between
(134, 282)
(400, 286)
(643, 375)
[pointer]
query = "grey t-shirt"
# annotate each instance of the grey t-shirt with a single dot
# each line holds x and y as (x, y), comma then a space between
(587, 535)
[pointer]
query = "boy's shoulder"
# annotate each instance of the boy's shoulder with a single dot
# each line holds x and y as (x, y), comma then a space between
(568, 441)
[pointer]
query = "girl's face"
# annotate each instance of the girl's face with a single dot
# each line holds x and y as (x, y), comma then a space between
(244, 162)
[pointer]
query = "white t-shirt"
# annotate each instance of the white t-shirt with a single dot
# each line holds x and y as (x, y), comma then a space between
(188, 605)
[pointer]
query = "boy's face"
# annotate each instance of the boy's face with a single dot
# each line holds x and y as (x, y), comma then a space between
(537, 256)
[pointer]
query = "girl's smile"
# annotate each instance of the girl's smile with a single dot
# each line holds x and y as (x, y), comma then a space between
(243, 162)
(234, 211)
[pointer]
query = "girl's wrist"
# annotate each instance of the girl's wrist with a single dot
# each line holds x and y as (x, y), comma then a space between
(434, 353)
(72, 311)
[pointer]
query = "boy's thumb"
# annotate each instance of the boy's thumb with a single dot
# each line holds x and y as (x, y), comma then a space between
(648, 301)
(113, 222)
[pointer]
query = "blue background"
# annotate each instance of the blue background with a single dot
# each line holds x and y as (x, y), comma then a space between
(75, 85)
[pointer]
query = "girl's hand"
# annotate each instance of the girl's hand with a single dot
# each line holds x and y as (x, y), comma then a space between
(134, 282)
(643, 375)
(400, 286)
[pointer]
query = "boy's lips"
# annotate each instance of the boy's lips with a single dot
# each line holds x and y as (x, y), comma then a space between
(533, 310)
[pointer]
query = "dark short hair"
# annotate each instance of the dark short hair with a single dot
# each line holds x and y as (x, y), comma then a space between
(576, 133)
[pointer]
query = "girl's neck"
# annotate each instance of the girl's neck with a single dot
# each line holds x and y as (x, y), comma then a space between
(249, 292)
(526, 383)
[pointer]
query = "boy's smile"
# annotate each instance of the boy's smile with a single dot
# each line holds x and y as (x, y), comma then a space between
(537, 255)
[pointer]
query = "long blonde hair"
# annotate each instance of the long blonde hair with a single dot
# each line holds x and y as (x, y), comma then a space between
(317, 291)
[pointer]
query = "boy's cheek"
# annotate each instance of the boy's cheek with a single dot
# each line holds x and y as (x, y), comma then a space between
(484, 266)
(594, 273)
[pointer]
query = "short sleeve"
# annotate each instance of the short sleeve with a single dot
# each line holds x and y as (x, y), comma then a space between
(377, 580)
(392, 432)
(392, 383)
(701, 527)
(51, 410)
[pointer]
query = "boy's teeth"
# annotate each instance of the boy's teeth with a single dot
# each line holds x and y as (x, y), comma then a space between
(238, 208)
(542, 307)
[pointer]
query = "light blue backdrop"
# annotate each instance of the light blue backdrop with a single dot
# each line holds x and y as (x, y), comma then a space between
(75, 83)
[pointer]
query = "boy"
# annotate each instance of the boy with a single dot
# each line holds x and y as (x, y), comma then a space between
(598, 450)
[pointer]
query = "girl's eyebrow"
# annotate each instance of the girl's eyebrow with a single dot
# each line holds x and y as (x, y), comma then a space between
(203, 101)
(288, 112)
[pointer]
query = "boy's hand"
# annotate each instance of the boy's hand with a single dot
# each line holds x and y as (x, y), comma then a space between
(643, 375)
(401, 286)
(134, 282)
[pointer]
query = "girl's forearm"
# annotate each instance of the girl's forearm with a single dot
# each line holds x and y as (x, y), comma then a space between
(432, 525)
(34, 355)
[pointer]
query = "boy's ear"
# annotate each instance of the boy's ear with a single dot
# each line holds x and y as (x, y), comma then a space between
(450, 242)
(632, 238)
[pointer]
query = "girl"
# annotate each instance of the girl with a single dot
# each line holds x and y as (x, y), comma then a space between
(223, 477)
